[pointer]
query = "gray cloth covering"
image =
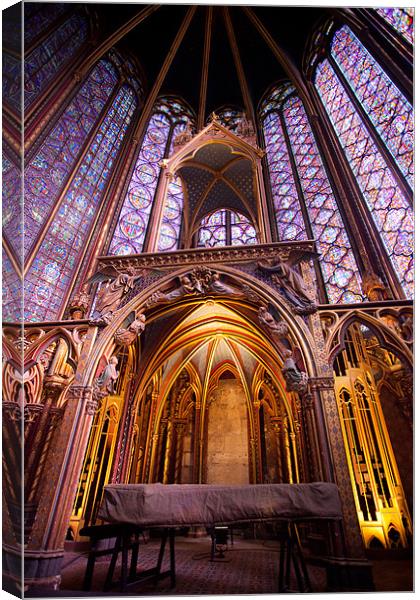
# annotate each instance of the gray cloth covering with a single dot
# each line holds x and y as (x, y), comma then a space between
(161, 505)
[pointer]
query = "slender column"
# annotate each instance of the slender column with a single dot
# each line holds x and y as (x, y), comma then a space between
(44, 550)
(205, 71)
(180, 426)
(239, 67)
(115, 37)
(286, 444)
(276, 425)
(162, 74)
(285, 61)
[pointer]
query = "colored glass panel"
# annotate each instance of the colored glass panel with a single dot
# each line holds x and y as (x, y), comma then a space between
(242, 232)
(391, 211)
(339, 267)
(226, 227)
(38, 17)
(213, 230)
(11, 81)
(48, 171)
(274, 99)
(43, 63)
(132, 225)
(172, 215)
(386, 107)
(11, 291)
(289, 218)
(401, 19)
(52, 270)
(12, 204)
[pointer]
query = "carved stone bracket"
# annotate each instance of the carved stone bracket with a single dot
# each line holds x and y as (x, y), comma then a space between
(205, 256)
(321, 383)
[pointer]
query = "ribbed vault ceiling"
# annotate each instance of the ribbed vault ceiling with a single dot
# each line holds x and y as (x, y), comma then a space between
(151, 40)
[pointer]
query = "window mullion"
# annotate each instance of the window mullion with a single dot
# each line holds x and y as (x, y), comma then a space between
(302, 203)
(159, 179)
(389, 159)
(64, 189)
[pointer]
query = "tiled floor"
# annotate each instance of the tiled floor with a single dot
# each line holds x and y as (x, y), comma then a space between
(250, 567)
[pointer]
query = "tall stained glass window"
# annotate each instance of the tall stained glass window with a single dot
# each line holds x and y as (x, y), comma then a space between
(12, 205)
(226, 228)
(301, 188)
(39, 17)
(52, 55)
(169, 118)
(48, 170)
(50, 274)
(345, 100)
(382, 101)
(400, 19)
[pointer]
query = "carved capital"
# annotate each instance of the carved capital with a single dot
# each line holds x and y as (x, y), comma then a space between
(321, 383)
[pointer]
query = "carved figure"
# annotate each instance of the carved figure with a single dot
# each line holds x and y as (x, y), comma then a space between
(106, 381)
(245, 127)
(80, 303)
(296, 381)
(125, 337)
(199, 281)
(291, 282)
(266, 318)
(109, 296)
(183, 137)
(373, 287)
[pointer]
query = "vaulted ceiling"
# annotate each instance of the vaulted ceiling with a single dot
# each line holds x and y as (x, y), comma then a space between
(151, 40)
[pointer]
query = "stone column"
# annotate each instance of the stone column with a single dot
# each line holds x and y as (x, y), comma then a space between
(45, 547)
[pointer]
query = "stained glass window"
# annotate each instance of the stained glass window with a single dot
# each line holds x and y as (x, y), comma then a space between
(48, 171)
(338, 264)
(11, 291)
(11, 81)
(168, 119)
(391, 211)
(172, 215)
(38, 17)
(295, 164)
(401, 19)
(229, 117)
(12, 204)
(132, 225)
(52, 270)
(290, 223)
(226, 228)
(52, 54)
(386, 107)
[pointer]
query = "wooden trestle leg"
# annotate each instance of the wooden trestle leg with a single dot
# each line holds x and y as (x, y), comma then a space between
(291, 552)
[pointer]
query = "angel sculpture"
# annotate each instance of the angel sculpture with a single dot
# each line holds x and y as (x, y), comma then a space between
(109, 296)
(125, 337)
(277, 327)
(290, 281)
(105, 382)
(296, 381)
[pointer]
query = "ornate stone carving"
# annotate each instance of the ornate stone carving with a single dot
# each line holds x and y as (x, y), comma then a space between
(80, 304)
(200, 281)
(296, 381)
(321, 383)
(245, 127)
(278, 328)
(125, 337)
(104, 384)
(183, 137)
(204, 256)
(373, 287)
(109, 296)
(290, 281)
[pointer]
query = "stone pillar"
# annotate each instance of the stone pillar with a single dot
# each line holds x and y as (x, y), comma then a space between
(44, 551)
